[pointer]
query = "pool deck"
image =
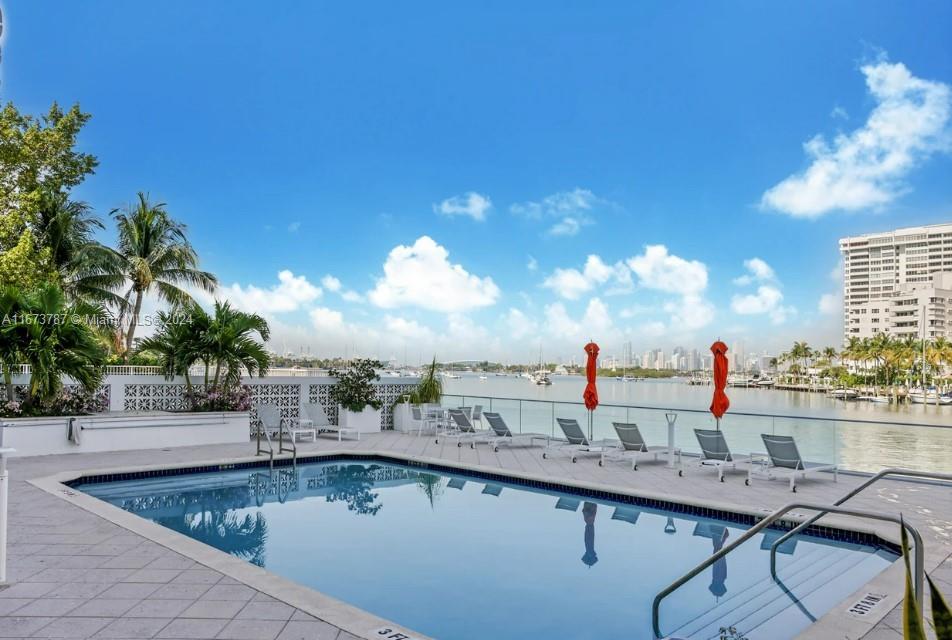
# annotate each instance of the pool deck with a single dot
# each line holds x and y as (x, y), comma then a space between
(79, 568)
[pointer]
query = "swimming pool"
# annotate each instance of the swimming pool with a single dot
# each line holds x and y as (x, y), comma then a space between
(463, 556)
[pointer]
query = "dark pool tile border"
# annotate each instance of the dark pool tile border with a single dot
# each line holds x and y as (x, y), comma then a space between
(829, 533)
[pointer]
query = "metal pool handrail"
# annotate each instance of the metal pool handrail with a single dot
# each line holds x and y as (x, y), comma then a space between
(770, 519)
(704, 411)
(894, 471)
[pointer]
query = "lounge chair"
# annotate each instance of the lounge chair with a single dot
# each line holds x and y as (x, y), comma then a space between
(715, 452)
(462, 430)
(269, 419)
(423, 420)
(316, 416)
(784, 459)
(503, 435)
(632, 447)
(575, 442)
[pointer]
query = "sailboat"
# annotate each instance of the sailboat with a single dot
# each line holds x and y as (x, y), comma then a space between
(541, 375)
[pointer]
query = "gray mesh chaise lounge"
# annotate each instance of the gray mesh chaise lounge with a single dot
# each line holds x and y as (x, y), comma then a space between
(575, 442)
(631, 447)
(715, 452)
(784, 459)
(462, 430)
(501, 434)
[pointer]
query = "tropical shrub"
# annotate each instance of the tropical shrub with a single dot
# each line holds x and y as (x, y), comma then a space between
(234, 399)
(354, 389)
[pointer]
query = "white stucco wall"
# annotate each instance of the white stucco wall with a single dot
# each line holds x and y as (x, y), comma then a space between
(122, 431)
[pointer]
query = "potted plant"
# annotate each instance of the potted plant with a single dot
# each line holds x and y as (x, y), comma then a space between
(428, 391)
(355, 394)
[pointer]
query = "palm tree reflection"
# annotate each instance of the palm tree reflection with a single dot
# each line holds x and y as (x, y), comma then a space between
(352, 484)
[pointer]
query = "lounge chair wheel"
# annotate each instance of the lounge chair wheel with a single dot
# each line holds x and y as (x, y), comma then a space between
(634, 467)
(600, 463)
(472, 445)
(794, 489)
(722, 478)
(747, 481)
(680, 473)
(437, 441)
(496, 449)
(459, 444)
(543, 456)
(573, 460)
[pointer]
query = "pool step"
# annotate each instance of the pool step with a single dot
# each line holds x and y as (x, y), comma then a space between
(766, 601)
(732, 608)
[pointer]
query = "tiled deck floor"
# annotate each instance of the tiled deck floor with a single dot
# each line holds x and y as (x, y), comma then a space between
(76, 575)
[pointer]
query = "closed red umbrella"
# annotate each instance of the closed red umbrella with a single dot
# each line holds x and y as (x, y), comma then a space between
(590, 395)
(720, 403)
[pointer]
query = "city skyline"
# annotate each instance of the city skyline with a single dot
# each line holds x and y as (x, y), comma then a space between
(375, 183)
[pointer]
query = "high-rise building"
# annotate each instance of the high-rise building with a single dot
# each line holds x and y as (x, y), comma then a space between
(892, 279)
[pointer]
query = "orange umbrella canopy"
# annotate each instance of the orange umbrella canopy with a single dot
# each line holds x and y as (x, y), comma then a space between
(590, 395)
(720, 403)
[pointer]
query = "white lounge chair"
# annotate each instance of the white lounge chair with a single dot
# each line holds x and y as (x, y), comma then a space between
(631, 448)
(715, 452)
(317, 418)
(575, 442)
(784, 459)
(503, 435)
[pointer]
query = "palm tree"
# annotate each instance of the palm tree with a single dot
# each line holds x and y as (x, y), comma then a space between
(84, 266)
(56, 342)
(177, 344)
(231, 345)
(11, 306)
(154, 255)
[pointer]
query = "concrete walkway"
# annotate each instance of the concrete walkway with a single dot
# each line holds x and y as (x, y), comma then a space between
(75, 574)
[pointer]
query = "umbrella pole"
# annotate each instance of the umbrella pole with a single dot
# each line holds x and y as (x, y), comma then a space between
(718, 422)
(591, 418)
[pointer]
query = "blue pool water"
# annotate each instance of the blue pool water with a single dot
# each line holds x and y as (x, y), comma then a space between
(456, 557)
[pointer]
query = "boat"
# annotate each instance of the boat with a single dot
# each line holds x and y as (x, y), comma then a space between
(844, 394)
(451, 376)
(541, 377)
(875, 399)
(483, 377)
(765, 382)
(918, 396)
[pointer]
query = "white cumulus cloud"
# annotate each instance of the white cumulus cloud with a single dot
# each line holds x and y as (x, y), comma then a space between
(768, 299)
(572, 283)
(757, 271)
(830, 304)
(471, 204)
(421, 275)
(866, 167)
(330, 283)
(289, 294)
(663, 271)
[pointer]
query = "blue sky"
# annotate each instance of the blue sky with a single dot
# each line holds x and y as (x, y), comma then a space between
(454, 168)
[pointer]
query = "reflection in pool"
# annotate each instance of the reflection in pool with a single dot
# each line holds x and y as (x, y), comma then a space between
(456, 556)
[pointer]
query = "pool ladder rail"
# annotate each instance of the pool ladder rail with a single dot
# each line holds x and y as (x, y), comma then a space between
(282, 431)
(821, 510)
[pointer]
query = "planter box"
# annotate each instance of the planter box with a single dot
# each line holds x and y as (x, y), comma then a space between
(402, 421)
(366, 421)
(120, 431)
